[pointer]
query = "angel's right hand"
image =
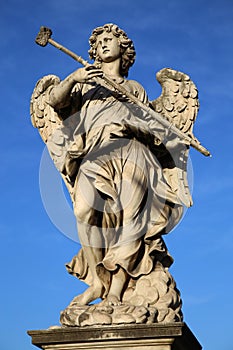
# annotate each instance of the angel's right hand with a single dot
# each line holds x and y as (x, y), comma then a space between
(85, 74)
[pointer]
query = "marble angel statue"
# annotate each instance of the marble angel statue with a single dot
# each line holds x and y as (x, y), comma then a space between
(127, 177)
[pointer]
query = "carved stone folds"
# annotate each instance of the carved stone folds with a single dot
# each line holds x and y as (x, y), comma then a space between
(153, 298)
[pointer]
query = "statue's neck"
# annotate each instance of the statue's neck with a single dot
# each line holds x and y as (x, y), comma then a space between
(112, 68)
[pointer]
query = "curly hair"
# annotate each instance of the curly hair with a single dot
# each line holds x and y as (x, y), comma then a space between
(126, 45)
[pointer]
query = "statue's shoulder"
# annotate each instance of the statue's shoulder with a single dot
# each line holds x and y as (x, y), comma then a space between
(137, 89)
(134, 83)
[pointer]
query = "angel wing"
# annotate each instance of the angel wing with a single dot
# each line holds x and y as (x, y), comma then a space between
(179, 104)
(48, 121)
(43, 116)
(178, 101)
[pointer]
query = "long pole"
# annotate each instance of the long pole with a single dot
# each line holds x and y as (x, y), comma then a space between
(44, 37)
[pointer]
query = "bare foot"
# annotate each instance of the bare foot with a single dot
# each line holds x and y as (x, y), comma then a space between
(111, 300)
(90, 294)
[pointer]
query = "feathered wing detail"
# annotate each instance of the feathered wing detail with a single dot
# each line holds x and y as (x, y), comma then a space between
(179, 104)
(47, 121)
(178, 101)
(43, 116)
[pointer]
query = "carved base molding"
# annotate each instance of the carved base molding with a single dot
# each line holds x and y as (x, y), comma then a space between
(173, 336)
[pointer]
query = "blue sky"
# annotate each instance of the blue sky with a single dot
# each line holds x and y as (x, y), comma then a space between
(192, 36)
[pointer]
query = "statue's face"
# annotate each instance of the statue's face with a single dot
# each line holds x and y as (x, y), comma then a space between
(108, 48)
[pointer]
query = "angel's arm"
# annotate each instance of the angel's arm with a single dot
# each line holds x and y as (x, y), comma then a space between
(61, 96)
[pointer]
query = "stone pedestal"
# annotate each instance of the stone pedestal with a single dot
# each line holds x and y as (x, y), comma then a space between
(172, 336)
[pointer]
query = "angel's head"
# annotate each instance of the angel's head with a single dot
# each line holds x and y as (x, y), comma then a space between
(126, 47)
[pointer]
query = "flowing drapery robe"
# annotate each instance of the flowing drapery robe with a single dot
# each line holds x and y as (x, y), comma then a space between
(122, 200)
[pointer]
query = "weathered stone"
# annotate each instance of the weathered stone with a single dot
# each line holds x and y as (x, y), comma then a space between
(124, 162)
(174, 336)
